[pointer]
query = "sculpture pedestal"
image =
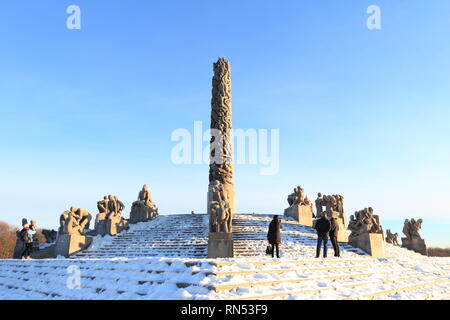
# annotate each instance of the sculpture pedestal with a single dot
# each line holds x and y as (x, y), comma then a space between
(220, 245)
(418, 245)
(342, 233)
(142, 214)
(67, 245)
(341, 221)
(111, 228)
(301, 213)
(372, 243)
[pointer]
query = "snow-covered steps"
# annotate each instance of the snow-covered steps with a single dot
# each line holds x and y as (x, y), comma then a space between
(150, 278)
(337, 279)
(184, 236)
(146, 263)
(250, 238)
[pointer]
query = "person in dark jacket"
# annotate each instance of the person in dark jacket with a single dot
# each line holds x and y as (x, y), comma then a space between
(274, 235)
(27, 237)
(323, 227)
(333, 236)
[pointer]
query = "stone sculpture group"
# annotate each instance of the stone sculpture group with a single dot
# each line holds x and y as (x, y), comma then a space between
(109, 220)
(74, 221)
(143, 209)
(74, 233)
(367, 232)
(392, 238)
(364, 221)
(300, 207)
(413, 240)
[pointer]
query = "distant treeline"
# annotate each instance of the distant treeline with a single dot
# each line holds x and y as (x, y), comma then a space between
(439, 252)
(7, 240)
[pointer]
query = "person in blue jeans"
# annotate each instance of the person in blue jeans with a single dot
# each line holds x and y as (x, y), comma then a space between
(323, 227)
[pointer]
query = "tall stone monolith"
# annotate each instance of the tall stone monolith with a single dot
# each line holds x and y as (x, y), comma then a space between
(221, 200)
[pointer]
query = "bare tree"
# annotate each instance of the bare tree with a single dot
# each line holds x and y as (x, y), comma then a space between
(7, 240)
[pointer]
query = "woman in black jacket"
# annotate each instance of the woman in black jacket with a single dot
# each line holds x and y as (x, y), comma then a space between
(274, 235)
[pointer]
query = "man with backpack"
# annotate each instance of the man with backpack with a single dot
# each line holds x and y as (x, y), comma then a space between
(26, 235)
(323, 227)
(274, 235)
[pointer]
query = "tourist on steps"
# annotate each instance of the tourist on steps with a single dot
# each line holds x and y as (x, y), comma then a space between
(333, 236)
(26, 235)
(274, 235)
(323, 227)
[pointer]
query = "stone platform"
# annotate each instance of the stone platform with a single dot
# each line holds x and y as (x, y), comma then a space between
(70, 244)
(417, 245)
(301, 213)
(220, 245)
(371, 243)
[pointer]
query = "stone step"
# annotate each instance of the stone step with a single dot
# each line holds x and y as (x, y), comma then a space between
(232, 286)
(153, 245)
(273, 296)
(106, 256)
(281, 271)
(301, 262)
(88, 283)
(406, 288)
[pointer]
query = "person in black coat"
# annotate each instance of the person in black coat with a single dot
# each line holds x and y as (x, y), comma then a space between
(323, 227)
(274, 235)
(333, 236)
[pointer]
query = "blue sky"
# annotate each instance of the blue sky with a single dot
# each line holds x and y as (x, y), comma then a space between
(89, 112)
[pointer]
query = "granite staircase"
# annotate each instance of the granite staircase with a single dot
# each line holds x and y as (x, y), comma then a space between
(166, 259)
(165, 236)
(336, 279)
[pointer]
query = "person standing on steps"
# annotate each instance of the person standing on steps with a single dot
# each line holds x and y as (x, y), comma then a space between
(26, 235)
(333, 236)
(274, 235)
(323, 227)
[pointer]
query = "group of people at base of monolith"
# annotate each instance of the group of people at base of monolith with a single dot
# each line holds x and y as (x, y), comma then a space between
(74, 233)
